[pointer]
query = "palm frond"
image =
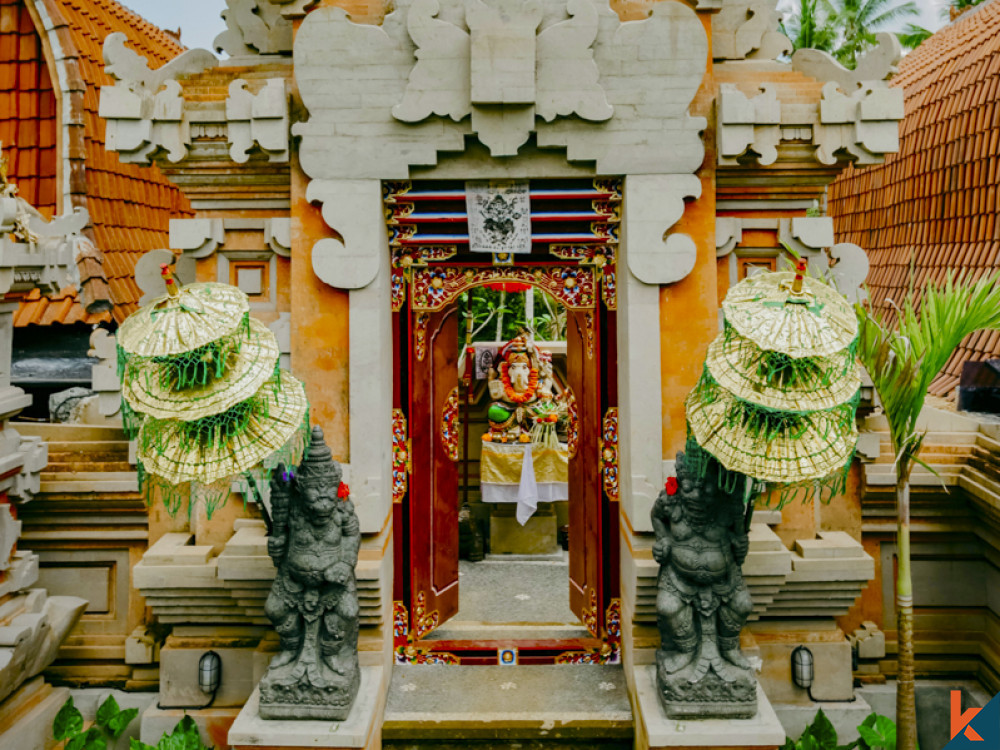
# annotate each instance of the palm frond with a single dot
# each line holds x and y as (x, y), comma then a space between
(903, 362)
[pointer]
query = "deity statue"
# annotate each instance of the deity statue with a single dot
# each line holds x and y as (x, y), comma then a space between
(313, 602)
(520, 383)
(702, 601)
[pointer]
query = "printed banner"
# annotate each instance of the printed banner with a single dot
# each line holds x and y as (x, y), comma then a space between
(499, 216)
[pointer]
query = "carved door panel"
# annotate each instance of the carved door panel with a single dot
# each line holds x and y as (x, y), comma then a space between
(433, 511)
(585, 493)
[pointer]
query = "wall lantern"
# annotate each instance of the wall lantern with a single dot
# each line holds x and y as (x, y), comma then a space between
(210, 672)
(803, 667)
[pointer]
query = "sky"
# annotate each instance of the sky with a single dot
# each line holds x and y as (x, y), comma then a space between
(200, 22)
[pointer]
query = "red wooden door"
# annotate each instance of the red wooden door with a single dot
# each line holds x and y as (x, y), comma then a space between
(433, 511)
(586, 595)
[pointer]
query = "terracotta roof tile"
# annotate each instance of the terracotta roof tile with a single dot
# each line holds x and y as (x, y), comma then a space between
(934, 203)
(130, 206)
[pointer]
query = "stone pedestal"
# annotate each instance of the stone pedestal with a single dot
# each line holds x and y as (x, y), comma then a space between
(361, 728)
(536, 537)
(26, 716)
(762, 732)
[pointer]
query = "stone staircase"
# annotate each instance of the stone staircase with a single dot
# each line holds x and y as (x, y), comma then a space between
(555, 707)
(955, 518)
(83, 459)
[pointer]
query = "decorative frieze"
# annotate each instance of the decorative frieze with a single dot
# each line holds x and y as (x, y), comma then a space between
(260, 118)
(856, 117)
(396, 95)
(747, 124)
(146, 112)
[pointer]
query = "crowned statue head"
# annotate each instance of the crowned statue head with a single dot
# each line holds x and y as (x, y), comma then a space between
(318, 479)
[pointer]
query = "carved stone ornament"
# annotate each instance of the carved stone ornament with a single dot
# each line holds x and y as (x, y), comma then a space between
(748, 29)
(702, 601)
(568, 73)
(145, 111)
(749, 124)
(254, 27)
(35, 252)
(314, 601)
(877, 64)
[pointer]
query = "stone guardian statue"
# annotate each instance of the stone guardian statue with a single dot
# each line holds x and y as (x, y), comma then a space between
(313, 602)
(702, 601)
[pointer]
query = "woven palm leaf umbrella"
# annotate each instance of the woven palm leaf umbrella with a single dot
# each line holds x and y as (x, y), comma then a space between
(203, 394)
(777, 398)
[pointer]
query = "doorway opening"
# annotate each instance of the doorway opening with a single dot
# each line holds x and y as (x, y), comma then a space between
(506, 532)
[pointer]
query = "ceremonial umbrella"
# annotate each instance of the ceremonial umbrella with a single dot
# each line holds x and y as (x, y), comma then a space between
(777, 398)
(203, 394)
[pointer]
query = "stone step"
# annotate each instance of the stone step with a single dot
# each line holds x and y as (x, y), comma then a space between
(69, 433)
(102, 465)
(551, 707)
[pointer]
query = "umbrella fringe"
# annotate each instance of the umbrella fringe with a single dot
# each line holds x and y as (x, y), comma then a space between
(764, 423)
(215, 495)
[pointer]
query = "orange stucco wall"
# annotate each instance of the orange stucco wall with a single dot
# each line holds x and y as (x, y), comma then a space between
(319, 325)
(689, 309)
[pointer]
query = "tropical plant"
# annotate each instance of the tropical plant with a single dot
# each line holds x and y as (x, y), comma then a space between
(876, 733)
(858, 21)
(808, 26)
(111, 721)
(912, 36)
(960, 5)
(902, 361)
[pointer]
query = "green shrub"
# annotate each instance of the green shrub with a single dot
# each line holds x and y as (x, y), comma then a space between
(184, 737)
(876, 733)
(111, 722)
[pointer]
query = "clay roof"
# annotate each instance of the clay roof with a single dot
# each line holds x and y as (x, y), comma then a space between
(934, 205)
(129, 205)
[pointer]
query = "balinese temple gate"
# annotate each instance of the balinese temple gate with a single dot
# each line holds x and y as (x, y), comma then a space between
(661, 150)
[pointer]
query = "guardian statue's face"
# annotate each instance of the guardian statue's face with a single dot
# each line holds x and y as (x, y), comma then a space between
(320, 501)
(519, 374)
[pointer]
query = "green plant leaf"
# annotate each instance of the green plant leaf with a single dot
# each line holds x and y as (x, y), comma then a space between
(119, 722)
(68, 721)
(887, 728)
(107, 711)
(92, 739)
(134, 744)
(872, 738)
(789, 744)
(184, 737)
(823, 732)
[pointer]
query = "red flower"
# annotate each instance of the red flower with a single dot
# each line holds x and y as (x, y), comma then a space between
(343, 491)
(671, 486)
